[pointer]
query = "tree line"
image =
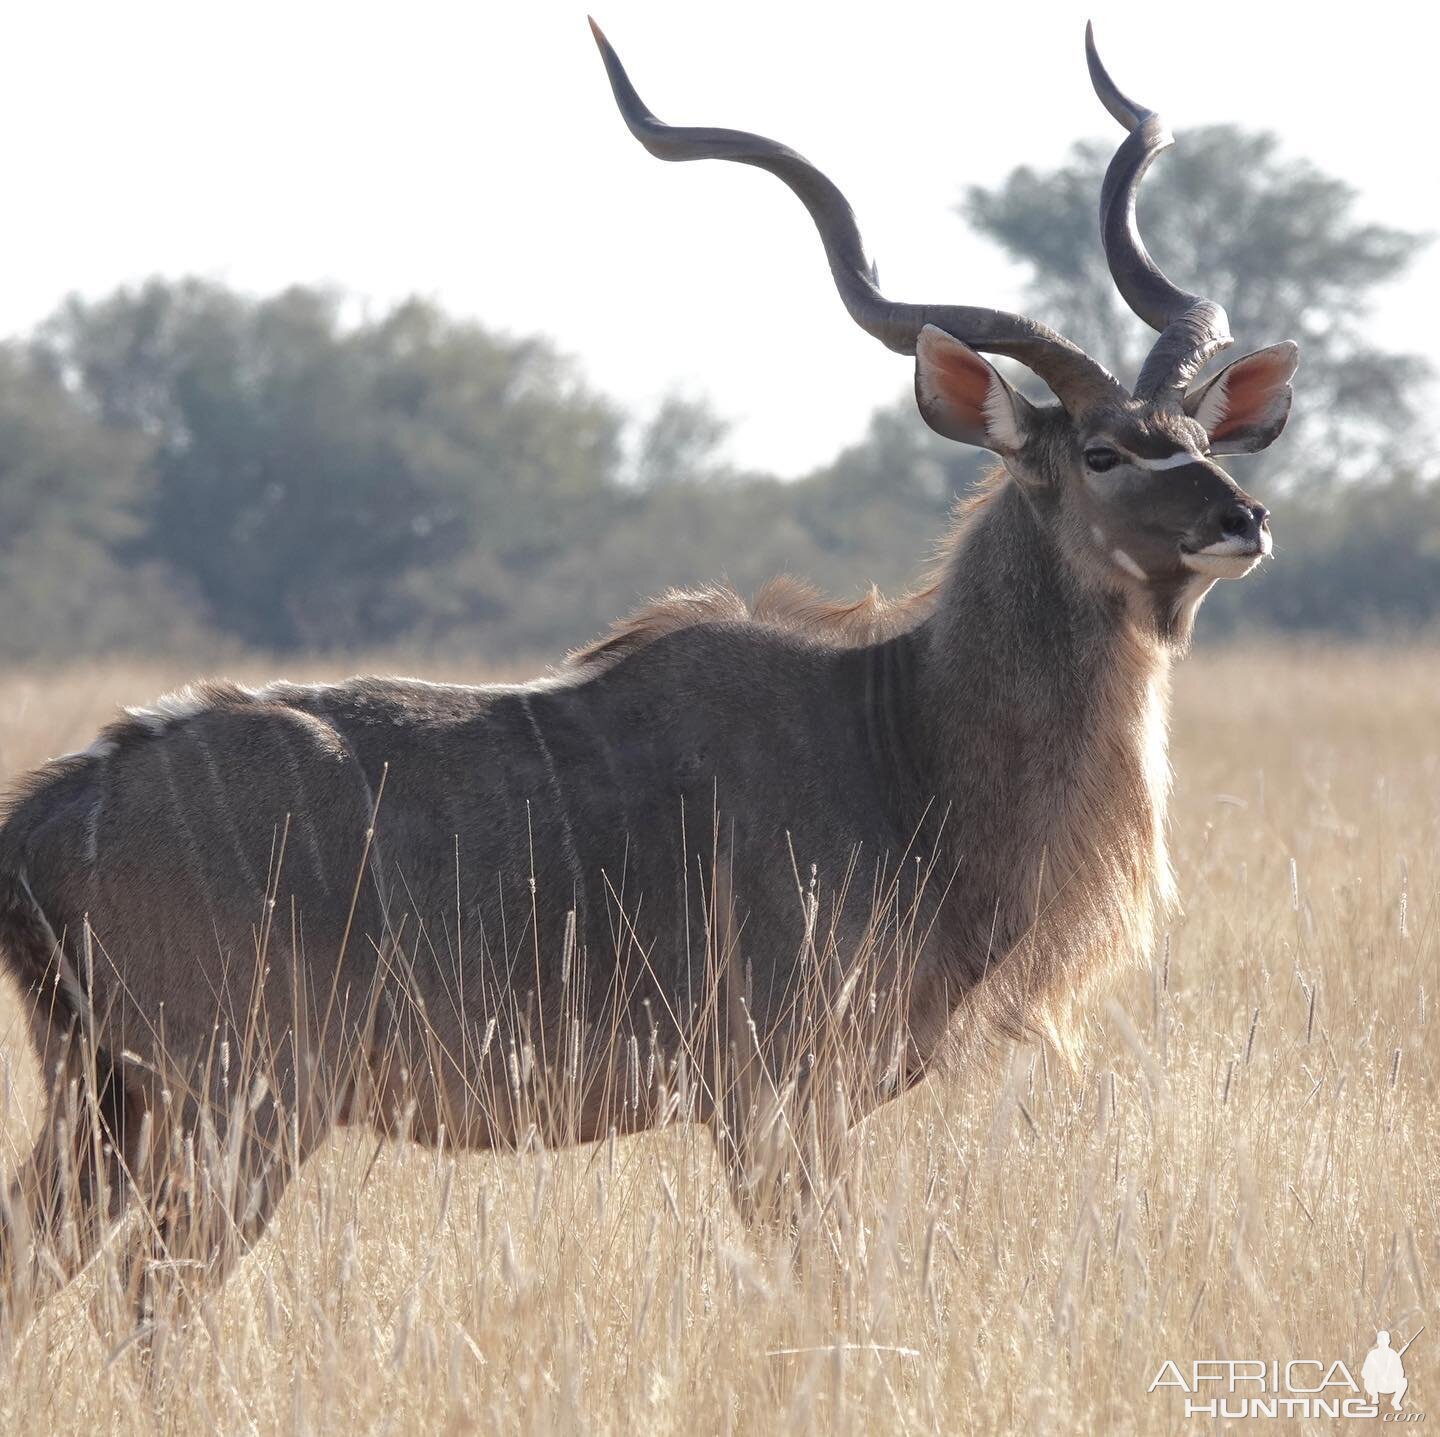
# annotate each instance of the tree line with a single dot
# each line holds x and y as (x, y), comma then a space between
(182, 465)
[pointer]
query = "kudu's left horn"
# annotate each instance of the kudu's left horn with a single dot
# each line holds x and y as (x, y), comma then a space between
(1076, 379)
(1192, 328)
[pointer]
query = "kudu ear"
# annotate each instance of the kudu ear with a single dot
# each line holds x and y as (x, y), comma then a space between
(1245, 406)
(964, 397)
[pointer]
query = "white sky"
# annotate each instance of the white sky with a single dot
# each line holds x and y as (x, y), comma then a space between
(472, 153)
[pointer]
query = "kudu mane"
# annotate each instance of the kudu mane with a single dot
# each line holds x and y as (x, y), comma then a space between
(786, 604)
(793, 606)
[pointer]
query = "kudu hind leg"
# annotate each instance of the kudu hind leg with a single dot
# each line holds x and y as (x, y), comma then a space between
(80, 1176)
(214, 1188)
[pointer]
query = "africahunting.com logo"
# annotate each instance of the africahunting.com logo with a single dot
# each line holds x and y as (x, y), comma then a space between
(1299, 1387)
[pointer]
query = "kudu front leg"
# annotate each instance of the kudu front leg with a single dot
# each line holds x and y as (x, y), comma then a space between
(784, 1145)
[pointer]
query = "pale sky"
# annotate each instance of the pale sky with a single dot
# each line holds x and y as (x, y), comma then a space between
(471, 153)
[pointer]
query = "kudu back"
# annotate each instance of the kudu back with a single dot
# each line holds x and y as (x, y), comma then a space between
(730, 863)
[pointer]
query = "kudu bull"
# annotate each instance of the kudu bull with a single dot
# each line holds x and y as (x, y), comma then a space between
(729, 864)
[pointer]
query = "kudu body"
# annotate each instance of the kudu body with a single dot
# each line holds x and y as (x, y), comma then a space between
(724, 861)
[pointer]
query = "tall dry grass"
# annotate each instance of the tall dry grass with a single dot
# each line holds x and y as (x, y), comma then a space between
(1247, 1167)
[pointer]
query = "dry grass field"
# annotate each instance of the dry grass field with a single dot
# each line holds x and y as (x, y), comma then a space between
(1247, 1167)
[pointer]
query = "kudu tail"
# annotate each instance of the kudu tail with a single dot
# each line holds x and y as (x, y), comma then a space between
(29, 948)
(32, 947)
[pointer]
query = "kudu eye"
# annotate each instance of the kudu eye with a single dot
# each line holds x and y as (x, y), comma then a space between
(1100, 457)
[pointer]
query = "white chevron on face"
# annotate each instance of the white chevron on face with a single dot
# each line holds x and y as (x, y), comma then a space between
(1170, 461)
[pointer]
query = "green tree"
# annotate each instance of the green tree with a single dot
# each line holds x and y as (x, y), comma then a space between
(322, 485)
(1273, 239)
(682, 443)
(72, 495)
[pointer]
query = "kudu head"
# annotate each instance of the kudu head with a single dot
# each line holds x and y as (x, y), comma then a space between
(1125, 482)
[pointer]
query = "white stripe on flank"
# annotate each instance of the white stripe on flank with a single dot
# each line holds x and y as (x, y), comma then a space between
(572, 854)
(92, 836)
(222, 808)
(301, 817)
(190, 848)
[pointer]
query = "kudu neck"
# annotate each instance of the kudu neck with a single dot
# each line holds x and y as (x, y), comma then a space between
(1040, 715)
(1016, 636)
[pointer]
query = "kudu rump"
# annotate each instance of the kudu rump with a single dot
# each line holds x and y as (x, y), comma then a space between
(750, 867)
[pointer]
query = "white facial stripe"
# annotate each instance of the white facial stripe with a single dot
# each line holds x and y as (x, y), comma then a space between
(1170, 461)
(1124, 561)
(1108, 478)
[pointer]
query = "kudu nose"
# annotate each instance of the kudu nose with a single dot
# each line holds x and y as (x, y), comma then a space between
(1244, 521)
